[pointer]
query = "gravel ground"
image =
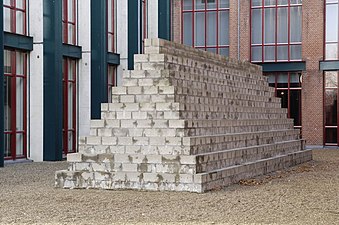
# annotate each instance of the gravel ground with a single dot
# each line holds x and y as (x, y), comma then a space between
(307, 194)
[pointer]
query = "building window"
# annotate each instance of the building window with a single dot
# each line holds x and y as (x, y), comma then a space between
(288, 87)
(330, 108)
(111, 26)
(69, 13)
(15, 16)
(15, 107)
(111, 80)
(144, 23)
(69, 105)
(276, 28)
(205, 25)
(331, 39)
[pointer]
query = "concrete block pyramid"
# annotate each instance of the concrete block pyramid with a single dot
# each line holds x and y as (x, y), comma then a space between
(185, 120)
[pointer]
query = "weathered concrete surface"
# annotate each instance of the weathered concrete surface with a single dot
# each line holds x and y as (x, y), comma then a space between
(185, 120)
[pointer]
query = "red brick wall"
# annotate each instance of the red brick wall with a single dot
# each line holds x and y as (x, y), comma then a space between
(312, 53)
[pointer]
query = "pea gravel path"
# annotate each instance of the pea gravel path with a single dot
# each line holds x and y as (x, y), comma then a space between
(307, 194)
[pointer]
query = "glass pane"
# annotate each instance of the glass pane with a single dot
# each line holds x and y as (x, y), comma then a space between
(269, 25)
(271, 79)
(256, 2)
(283, 25)
(295, 52)
(110, 43)
(331, 107)
(223, 28)
(331, 135)
(199, 4)
(19, 145)
(269, 53)
(296, 2)
(282, 52)
(70, 142)
(211, 28)
(211, 4)
(19, 104)
(295, 106)
(199, 29)
(109, 16)
(331, 51)
(270, 2)
(70, 105)
(20, 65)
(7, 20)
(282, 80)
(7, 2)
(256, 28)
(331, 79)
(296, 17)
(214, 50)
(282, 2)
(224, 3)
(331, 1)
(20, 29)
(332, 23)
(71, 34)
(187, 29)
(187, 5)
(20, 4)
(224, 51)
(283, 94)
(256, 54)
(71, 10)
(8, 145)
(295, 80)
(7, 62)
(7, 103)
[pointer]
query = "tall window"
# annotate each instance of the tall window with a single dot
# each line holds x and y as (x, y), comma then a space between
(288, 87)
(69, 104)
(15, 16)
(331, 107)
(205, 25)
(111, 80)
(15, 71)
(276, 28)
(331, 45)
(144, 23)
(111, 26)
(69, 21)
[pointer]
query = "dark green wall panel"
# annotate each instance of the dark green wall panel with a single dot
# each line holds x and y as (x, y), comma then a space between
(283, 66)
(99, 57)
(2, 145)
(52, 80)
(164, 15)
(17, 41)
(133, 38)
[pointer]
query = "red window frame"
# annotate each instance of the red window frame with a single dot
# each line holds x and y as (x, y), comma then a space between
(13, 18)
(110, 33)
(276, 45)
(111, 80)
(69, 79)
(325, 29)
(66, 22)
(144, 23)
(205, 11)
(288, 89)
(13, 101)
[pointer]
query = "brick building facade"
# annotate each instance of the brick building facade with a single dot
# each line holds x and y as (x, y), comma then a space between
(311, 65)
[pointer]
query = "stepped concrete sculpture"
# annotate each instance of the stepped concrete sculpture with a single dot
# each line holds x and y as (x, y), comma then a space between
(185, 120)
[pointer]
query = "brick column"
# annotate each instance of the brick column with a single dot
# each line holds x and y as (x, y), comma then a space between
(233, 29)
(176, 21)
(245, 30)
(312, 86)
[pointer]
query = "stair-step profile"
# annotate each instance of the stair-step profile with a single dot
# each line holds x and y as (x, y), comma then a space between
(185, 120)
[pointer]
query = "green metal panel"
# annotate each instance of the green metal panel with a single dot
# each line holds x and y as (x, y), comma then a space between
(71, 51)
(133, 38)
(53, 103)
(164, 19)
(17, 41)
(2, 144)
(329, 65)
(283, 66)
(113, 58)
(99, 57)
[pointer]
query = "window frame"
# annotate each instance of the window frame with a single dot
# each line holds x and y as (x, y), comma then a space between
(66, 22)
(111, 20)
(205, 11)
(13, 18)
(13, 99)
(325, 31)
(275, 44)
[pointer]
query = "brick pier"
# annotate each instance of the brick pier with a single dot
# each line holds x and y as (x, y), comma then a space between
(185, 120)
